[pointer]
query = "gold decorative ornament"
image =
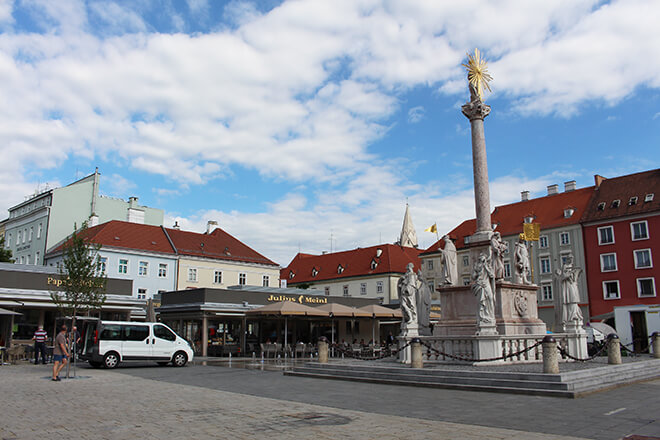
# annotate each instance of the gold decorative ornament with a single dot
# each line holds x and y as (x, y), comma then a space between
(478, 76)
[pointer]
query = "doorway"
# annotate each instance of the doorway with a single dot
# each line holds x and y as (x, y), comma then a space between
(639, 331)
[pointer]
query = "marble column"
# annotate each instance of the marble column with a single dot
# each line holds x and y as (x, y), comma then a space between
(476, 111)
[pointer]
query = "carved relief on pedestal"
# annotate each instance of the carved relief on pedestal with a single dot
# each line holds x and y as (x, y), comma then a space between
(520, 304)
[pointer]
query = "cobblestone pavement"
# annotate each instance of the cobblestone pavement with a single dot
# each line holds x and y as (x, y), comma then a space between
(105, 404)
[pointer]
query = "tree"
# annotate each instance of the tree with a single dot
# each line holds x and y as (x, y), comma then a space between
(83, 280)
(5, 254)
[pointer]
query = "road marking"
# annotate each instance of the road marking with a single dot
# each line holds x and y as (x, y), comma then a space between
(614, 411)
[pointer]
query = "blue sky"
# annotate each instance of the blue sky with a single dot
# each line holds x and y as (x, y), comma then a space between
(287, 122)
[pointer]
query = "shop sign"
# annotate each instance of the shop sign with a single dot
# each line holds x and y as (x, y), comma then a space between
(59, 282)
(302, 299)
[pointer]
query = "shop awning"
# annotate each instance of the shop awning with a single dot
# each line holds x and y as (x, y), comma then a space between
(376, 311)
(341, 311)
(8, 312)
(287, 308)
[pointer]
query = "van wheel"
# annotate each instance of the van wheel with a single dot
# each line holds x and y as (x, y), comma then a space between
(111, 360)
(179, 359)
(95, 364)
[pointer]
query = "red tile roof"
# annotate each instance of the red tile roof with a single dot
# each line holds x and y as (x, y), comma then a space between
(355, 263)
(218, 245)
(622, 189)
(547, 210)
(125, 235)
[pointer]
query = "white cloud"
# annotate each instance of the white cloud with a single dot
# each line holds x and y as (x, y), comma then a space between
(118, 186)
(415, 114)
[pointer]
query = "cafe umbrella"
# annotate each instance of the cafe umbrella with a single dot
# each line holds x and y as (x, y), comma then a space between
(286, 309)
(376, 311)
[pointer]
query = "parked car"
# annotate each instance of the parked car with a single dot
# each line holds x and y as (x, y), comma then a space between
(107, 343)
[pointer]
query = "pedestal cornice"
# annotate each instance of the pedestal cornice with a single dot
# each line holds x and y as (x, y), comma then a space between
(475, 110)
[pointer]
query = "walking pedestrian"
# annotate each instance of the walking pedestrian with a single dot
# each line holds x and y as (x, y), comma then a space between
(60, 353)
(39, 339)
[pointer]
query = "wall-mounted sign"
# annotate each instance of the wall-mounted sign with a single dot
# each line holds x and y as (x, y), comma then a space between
(301, 299)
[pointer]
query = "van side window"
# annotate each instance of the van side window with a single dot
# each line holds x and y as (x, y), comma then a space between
(136, 332)
(163, 333)
(111, 333)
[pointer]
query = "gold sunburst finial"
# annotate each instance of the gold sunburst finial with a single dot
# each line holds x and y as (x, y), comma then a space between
(478, 76)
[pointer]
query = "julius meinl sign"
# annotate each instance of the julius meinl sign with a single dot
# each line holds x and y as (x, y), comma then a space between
(302, 299)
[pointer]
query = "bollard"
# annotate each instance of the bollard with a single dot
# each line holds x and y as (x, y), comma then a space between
(323, 350)
(550, 356)
(416, 354)
(613, 349)
(655, 344)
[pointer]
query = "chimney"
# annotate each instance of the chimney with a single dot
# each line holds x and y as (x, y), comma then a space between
(132, 202)
(598, 179)
(570, 186)
(524, 196)
(176, 226)
(210, 226)
(553, 189)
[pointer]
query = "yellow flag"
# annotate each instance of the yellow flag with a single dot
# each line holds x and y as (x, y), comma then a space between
(433, 228)
(531, 231)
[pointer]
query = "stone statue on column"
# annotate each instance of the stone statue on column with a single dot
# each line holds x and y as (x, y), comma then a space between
(449, 258)
(522, 270)
(423, 305)
(408, 286)
(498, 248)
(482, 287)
(571, 315)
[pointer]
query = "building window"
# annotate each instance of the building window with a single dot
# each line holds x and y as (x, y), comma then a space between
(547, 292)
(466, 261)
(24, 235)
(507, 269)
(429, 264)
(103, 264)
(379, 287)
(31, 233)
(466, 281)
(374, 264)
(611, 290)
(9, 240)
(22, 259)
(36, 258)
(608, 262)
(543, 241)
(643, 259)
(27, 259)
(639, 230)
(123, 266)
(143, 268)
(345, 289)
(39, 230)
(265, 281)
(18, 237)
(242, 279)
(340, 268)
(645, 287)
(606, 235)
(564, 238)
(363, 288)
(142, 293)
(431, 286)
(545, 265)
(162, 270)
(217, 277)
(192, 274)
(327, 291)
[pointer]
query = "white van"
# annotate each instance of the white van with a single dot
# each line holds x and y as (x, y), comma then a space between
(107, 343)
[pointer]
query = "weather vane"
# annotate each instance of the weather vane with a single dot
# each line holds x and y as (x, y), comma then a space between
(478, 76)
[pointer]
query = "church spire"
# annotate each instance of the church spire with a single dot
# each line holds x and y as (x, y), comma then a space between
(408, 234)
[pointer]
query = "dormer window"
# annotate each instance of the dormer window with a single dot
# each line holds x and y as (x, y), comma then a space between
(632, 201)
(648, 198)
(314, 272)
(616, 203)
(601, 206)
(529, 219)
(568, 212)
(340, 268)
(291, 275)
(374, 264)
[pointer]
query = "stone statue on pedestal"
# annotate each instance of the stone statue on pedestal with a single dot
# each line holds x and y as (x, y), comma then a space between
(521, 274)
(408, 286)
(449, 263)
(571, 315)
(482, 287)
(498, 248)
(423, 305)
